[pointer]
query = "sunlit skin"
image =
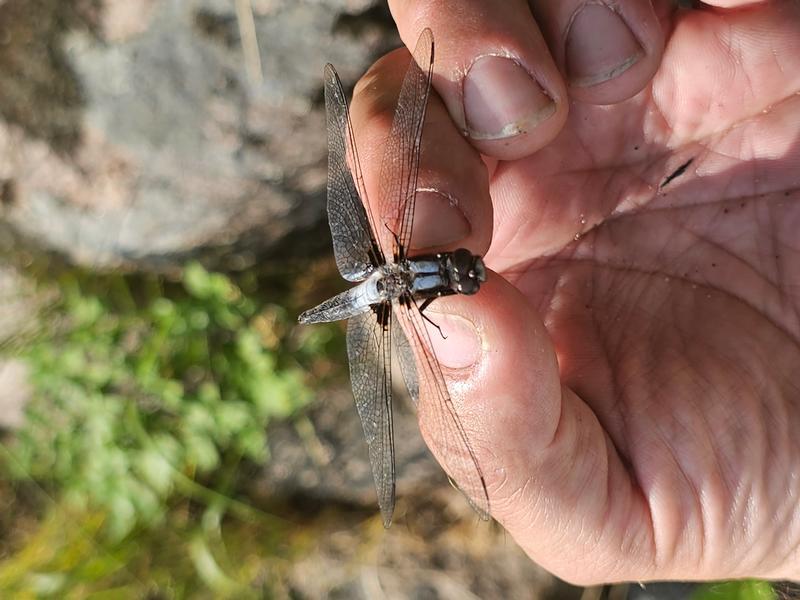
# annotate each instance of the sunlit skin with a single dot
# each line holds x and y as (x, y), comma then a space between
(629, 373)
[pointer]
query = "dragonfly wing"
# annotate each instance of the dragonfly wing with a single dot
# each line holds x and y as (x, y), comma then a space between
(405, 358)
(400, 165)
(354, 244)
(445, 433)
(369, 352)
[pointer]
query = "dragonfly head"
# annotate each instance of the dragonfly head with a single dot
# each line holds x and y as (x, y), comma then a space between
(467, 272)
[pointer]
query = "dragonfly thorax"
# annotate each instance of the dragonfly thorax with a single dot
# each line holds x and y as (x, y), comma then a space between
(393, 280)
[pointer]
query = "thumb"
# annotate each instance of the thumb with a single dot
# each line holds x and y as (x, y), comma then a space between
(550, 469)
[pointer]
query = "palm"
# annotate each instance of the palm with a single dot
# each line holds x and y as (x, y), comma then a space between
(674, 309)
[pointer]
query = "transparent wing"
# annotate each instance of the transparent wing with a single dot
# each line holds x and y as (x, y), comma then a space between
(444, 432)
(405, 358)
(400, 165)
(369, 352)
(354, 244)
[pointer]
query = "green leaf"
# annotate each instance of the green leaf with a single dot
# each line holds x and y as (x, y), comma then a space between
(253, 444)
(138, 388)
(202, 452)
(122, 517)
(208, 568)
(736, 590)
(233, 417)
(196, 281)
(156, 470)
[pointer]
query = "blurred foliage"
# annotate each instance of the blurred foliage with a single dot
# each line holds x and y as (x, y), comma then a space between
(150, 395)
(736, 590)
(68, 556)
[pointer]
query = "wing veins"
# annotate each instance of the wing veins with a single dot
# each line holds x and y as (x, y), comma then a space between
(352, 227)
(473, 477)
(369, 350)
(400, 166)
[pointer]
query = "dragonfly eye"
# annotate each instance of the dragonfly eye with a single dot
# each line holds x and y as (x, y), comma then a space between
(480, 270)
(468, 287)
(461, 260)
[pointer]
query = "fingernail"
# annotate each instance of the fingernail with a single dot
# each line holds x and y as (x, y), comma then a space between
(456, 343)
(599, 46)
(502, 100)
(438, 220)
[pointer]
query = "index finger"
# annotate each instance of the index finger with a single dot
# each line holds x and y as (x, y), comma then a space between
(493, 71)
(453, 207)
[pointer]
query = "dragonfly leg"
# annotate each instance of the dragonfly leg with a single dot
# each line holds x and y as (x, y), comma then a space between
(396, 239)
(425, 304)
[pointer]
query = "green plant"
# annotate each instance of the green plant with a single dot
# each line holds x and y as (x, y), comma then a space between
(139, 393)
(736, 590)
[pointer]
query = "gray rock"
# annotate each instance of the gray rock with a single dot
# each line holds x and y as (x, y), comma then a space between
(169, 134)
(326, 460)
(15, 391)
(19, 303)
(451, 561)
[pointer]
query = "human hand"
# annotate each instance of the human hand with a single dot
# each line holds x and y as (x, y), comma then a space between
(628, 376)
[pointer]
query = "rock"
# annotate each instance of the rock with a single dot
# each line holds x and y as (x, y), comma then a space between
(360, 560)
(15, 391)
(326, 462)
(139, 133)
(19, 303)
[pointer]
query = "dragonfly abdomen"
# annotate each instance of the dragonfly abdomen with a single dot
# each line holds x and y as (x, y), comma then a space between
(347, 304)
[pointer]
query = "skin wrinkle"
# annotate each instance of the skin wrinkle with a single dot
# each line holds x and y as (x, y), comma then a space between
(708, 441)
(765, 559)
(647, 502)
(612, 451)
(612, 214)
(653, 549)
(676, 190)
(706, 426)
(762, 548)
(615, 215)
(677, 543)
(617, 391)
(757, 111)
(793, 552)
(579, 456)
(745, 516)
(741, 260)
(564, 428)
(775, 253)
(676, 276)
(520, 496)
(716, 245)
(532, 514)
(495, 487)
(788, 516)
(729, 471)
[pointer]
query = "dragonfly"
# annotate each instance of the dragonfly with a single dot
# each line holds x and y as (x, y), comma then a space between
(385, 309)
